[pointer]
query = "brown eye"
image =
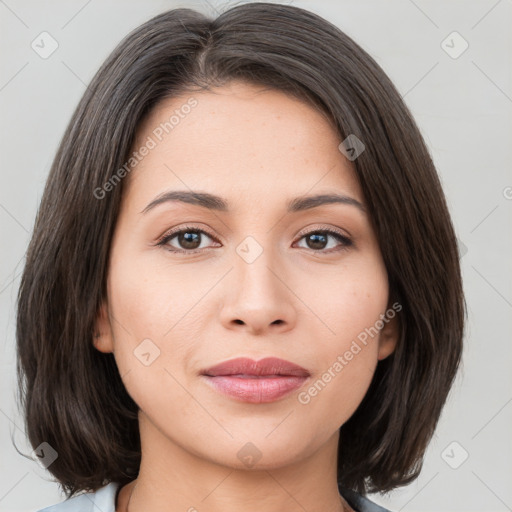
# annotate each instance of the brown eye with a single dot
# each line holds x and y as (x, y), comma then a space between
(319, 240)
(188, 239)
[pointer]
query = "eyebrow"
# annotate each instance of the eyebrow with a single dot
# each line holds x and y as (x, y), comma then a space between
(217, 203)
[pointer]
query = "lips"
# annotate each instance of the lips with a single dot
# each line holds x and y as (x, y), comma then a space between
(256, 382)
(270, 366)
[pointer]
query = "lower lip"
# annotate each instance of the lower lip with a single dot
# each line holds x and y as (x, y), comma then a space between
(256, 390)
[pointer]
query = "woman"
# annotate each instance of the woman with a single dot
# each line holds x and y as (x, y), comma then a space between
(243, 285)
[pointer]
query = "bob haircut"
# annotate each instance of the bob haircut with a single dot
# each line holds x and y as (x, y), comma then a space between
(72, 395)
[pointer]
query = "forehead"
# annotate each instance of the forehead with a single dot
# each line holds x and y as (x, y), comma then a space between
(241, 141)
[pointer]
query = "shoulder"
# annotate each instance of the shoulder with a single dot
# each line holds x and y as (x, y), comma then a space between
(103, 499)
(360, 503)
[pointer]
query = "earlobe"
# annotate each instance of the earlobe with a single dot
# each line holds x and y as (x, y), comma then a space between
(103, 339)
(388, 337)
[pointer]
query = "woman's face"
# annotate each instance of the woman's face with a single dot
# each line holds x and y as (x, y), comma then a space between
(253, 274)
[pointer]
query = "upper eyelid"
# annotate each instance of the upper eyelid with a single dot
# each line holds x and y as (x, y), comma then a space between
(173, 232)
(303, 232)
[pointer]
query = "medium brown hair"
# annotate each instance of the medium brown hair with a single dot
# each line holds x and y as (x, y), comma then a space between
(72, 394)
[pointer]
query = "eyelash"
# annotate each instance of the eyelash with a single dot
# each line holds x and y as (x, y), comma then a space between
(164, 240)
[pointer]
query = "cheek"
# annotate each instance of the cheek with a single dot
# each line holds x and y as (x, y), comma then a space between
(147, 300)
(349, 301)
(335, 394)
(154, 324)
(347, 351)
(139, 309)
(150, 345)
(346, 366)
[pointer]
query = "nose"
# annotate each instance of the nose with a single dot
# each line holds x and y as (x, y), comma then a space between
(257, 298)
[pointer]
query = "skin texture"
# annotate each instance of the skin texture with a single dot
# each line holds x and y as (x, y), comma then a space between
(256, 148)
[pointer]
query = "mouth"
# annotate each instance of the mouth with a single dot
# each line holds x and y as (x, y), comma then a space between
(252, 381)
(269, 366)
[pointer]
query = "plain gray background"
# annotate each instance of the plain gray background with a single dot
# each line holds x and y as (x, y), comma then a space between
(462, 102)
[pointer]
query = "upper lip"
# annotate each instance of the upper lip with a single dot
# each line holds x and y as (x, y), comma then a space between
(266, 366)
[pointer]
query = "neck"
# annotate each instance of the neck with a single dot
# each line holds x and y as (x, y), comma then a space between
(172, 478)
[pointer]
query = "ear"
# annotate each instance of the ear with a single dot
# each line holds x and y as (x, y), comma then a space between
(103, 339)
(388, 337)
